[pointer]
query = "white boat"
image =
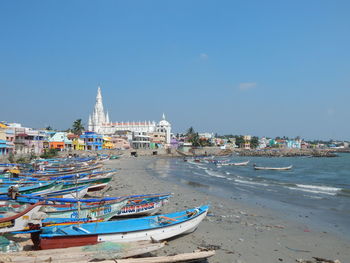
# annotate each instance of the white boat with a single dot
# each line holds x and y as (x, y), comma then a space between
(273, 168)
(18, 221)
(234, 164)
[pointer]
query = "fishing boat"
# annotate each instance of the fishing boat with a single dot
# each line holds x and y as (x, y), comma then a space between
(147, 228)
(136, 205)
(94, 184)
(273, 168)
(234, 164)
(38, 187)
(143, 205)
(58, 173)
(18, 221)
(103, 210)
(76, 192)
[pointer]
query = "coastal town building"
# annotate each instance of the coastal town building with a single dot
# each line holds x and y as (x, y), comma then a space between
(247, 139)
(60, 141)
(99, 122)
(120, 142)
(107, 143)
(78, 144)
(141, 140)
(92, 140)
(23, 140)
(6, 146)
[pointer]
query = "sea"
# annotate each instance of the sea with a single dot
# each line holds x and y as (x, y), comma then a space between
(316, 191)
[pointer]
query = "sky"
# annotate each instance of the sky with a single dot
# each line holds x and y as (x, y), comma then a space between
(265, 68)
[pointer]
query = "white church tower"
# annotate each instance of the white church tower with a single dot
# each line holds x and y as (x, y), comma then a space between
(98, 117)
(165, 127)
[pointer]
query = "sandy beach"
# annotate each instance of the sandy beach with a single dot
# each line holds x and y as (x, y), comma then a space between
(239, 232)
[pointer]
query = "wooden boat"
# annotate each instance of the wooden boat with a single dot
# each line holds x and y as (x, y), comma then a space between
(95, 184)
(143, 205)
(147, 228)
(38, 187)
(10, 222)
(103, 210)
(273, 168)
(136, 205)
(57, 173)
(234, 164)
(105, 251)
(73, 192)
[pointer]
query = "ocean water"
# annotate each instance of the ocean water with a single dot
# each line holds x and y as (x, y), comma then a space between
(316, 191)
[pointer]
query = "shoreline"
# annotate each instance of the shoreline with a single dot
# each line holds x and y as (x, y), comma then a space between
(239, 232)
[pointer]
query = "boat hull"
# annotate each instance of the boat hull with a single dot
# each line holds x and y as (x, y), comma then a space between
(158, 233)
(20, 221)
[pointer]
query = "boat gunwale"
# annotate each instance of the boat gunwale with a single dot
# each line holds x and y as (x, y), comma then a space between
(205, 210)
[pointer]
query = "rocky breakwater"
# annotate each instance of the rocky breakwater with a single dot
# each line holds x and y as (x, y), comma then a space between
(287, 152)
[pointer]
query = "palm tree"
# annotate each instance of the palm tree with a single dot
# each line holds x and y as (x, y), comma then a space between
(190, 132)
(78, 127)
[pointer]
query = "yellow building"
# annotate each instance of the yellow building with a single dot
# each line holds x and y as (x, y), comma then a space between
(247, 139)
(78, 144)
(107, 143)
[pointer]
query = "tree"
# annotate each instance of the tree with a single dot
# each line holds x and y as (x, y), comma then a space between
(190, 132)
(239, 141)
(194, 139)
(254, 142)
(78, 127)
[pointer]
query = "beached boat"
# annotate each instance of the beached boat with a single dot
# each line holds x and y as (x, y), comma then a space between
(58, 173)
(136, 205)
(18, 221)
(73, 192)
(147, 228)
(103, 210)
(94, 184)
(273, 168)
(36, 188)
(143, 205)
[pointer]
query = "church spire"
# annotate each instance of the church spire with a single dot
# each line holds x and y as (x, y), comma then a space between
(98, 116)
(107, 117)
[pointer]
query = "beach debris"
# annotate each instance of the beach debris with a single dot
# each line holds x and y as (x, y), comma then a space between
(208, 247)
(298, 250)
(317, 260)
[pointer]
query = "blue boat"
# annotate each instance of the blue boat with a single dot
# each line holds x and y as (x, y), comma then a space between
(158, 227)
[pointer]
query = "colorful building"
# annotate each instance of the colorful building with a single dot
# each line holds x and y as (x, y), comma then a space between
(77, 143)
(60, 141)
(92, 140)
(107, 143)
(5, 146)
(6, 140)
(120, 142)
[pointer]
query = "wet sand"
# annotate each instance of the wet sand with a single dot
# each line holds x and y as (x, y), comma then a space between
(239, 232)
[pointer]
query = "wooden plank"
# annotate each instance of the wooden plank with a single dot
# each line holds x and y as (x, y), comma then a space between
(163, 259)
(77, 254)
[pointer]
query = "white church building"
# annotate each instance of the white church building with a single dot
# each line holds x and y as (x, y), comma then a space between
(99, 122)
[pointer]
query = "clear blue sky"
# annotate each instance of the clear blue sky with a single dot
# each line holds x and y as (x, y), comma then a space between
(268, 68)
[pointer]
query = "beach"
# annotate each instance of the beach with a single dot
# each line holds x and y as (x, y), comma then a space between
(237, 231)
